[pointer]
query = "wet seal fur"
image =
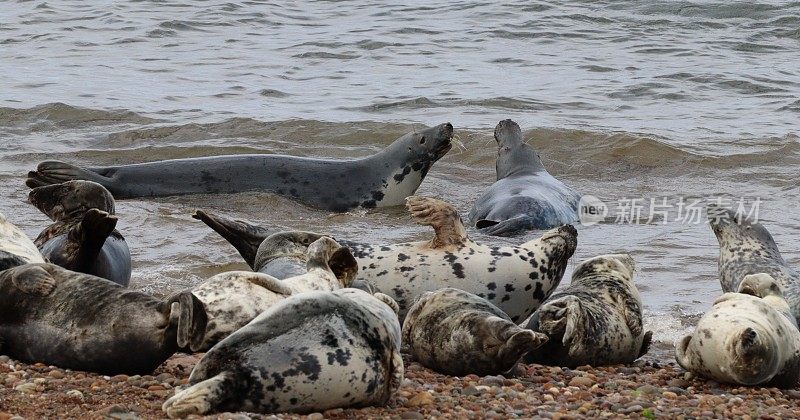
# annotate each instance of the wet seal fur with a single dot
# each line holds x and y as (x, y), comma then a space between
(83, 237)
(458, 333)
(383, 179)
(748, 248)
(596, 320)
(525, 196)
(746, 338)
(310, 352)
(234, 298)
(16, 248)
(76, 321)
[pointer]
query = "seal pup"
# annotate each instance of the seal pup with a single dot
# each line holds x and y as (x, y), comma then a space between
(596, 320)
(83, 237)
(457, 333)
(77, 321)
(234, 298)
(310, 352)
(525, 196)
(383, 179)
(746, 247)
(16, 248)
(746, 338)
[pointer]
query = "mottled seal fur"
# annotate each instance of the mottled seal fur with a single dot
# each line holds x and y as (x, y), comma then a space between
(310, 352)
(234, 298)
(746, 338)
(383, 179)
(82, 237)
(458, 333)
(596, 320)
(525, 196)
(746, 247)
(77, 321)
(15, 247)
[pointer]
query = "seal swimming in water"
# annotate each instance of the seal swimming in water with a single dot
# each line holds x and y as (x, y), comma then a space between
(77, 321)
(234, 298)
(517, 279)
(383, 179)
(746, 247)
(457, 333)
(525, 196)
(83, 237)
(310, 352)
(596, 320)
(746, 338)
(16, 248)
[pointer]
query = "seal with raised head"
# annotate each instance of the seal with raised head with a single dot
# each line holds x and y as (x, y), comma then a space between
(310, 352)
(525, 196)
(83, 237)
(596, 320)
(16, 248)
(746, 338)
(458, 333)
(746, 247)
(77, 321)
(383, 179)
(234, 298)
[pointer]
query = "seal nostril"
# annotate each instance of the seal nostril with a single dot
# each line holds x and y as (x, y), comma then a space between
(422, 140)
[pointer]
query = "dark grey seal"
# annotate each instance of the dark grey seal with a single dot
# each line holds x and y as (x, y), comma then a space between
(83, 237)
(383, 179)
(525, 196)
(77, 321)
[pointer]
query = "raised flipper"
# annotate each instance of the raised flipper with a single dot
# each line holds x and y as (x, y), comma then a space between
(200, 398)
(268, 282)
(511, 227)
(33, 279)
(681, 356)
(89, 236)
(646, 341)
(244, 236)
(519, 342)
(55, 172)
(191, 319)
(441, 216)
(561, 318)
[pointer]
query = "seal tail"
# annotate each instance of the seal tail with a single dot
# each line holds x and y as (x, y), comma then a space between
(511, 227)
(200, 398)
(244, 236)
(55, 172)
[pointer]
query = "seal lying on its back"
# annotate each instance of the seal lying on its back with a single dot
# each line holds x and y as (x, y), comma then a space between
(83, 237)
(746, 248)
(383, 179)
(310, 352)
(525, 196)
(15, 247)
(233, 299)
(457, 333)
(597, 320)
(77, 321)
(747, 338)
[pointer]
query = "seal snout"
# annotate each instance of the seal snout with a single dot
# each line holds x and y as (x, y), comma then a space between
(508, 133)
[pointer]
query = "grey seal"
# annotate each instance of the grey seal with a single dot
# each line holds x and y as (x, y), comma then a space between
(77, 321)
(746, 338)
(746, 247)
(458, 333)
(596, 320)
(16, 248)
(311, 352)
(383, 179)
(525, 196)
(82, 237)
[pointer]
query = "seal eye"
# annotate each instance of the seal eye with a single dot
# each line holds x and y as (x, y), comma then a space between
(422, 140)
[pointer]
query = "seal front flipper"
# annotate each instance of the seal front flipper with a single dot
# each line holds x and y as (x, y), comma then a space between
(244, 236)
(89, 236)
(646, 341)
(510, 227)
(519, 342)
(33, 279)
(268, 282)
(55, 172)
(441, 216)
(189, 314)
(199, 398)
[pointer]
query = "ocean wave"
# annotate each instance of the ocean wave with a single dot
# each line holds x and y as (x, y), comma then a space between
(58, 115)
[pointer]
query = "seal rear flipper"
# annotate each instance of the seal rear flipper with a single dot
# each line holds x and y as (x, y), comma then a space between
(681, 348)
(244, 236)
(511, 227)
(33, 279)
(55, 172)
(646, 341)
(191, 318)
(441, 216)
(200, 398)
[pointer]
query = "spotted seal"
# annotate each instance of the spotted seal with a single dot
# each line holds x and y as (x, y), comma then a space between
(234, 298)
(596, 320)
(77, 321)
(746, 338)
(458, 333)
(746, 247)
(83, 237)
(525, 196)
(311, 352)
(383, 179)
(16, 248)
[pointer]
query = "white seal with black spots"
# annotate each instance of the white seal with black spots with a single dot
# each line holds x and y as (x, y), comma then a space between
(458, 333)
(746, 338)
(234, 298)
(596, 320)
(16, 248)
(311, 352)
